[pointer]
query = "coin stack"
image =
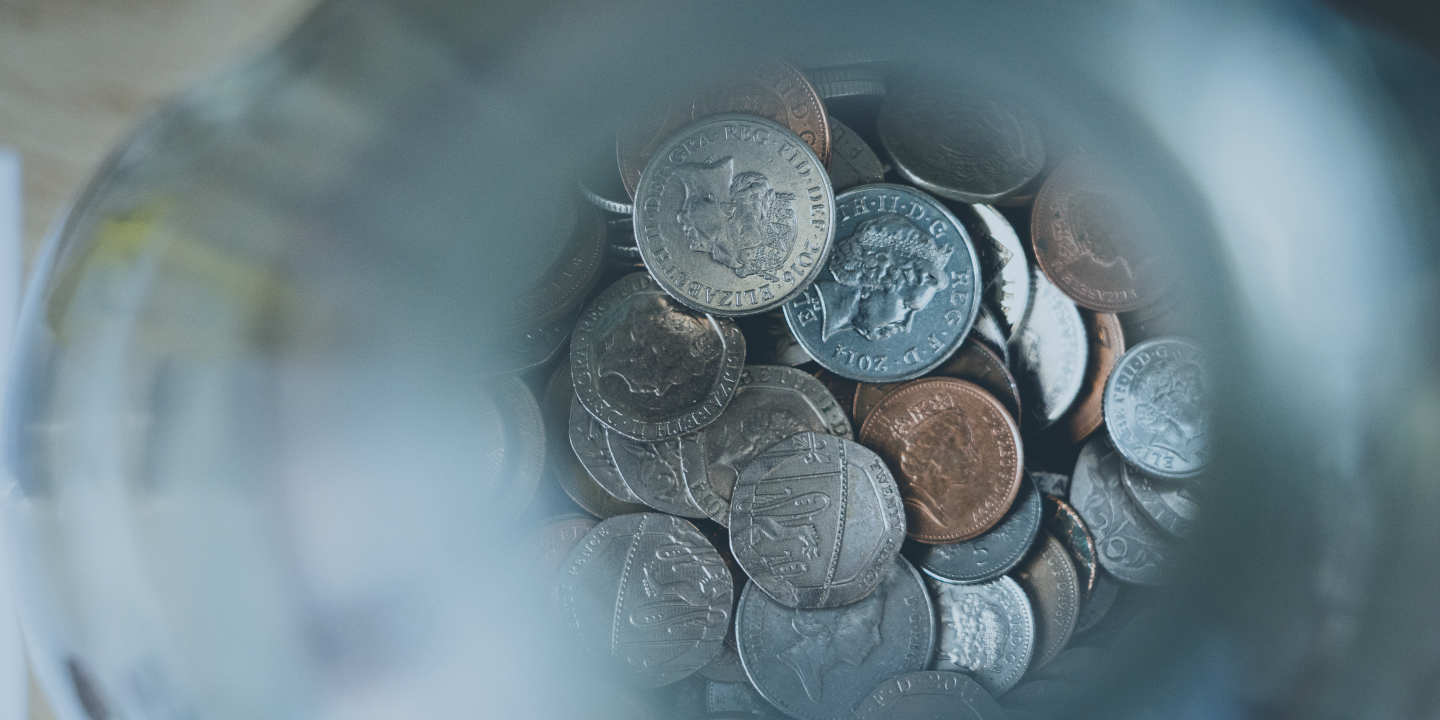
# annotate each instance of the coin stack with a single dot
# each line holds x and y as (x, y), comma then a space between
(840, 441)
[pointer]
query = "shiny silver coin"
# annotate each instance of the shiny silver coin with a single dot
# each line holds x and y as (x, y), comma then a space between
(816, 521)
(1050, 356)
(648, 596)
(734, 215)
(990, 555)
(930, 694)
(963, 148)
(649, 368)
(737, 697)
(987, 631)
(899, 293)
(655, 471)
(1004, 271)
(591, 443)
(818, 664)
(1129, 546)
(1169, 503)
(1052, 483)
(1049, 579)
(510, 447)
(1157, 408)
(772, 403)
(849, 81)
(1100, 602)
(852, 162)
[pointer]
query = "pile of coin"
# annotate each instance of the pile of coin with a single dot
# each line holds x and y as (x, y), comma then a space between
(853, 433)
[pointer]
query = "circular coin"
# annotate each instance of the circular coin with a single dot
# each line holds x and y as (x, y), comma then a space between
(655, 471)
(1095, 608)
(987, 631)
(1095, 240)
(737, 697)
(1051, 356)
(833, 83)
(852, 162)
(1051, 483)
(973, 361)
(1170, 504)
(511, 444)
(963, 148)
(1004, 271)
(900, 290)
(649, 368)
(1107, 344)
(734, 215)
(931, 694)
(992, 554)
(1157, 409)
(817, 664)
(570, 277)
(775, 90)
(1128, 546)
(1065, 524)
(589, 440)
(1048, 577)
(987, 330)
(816, 521)
(547, 548)
(647, 595)
(770, 404)
(955, 452)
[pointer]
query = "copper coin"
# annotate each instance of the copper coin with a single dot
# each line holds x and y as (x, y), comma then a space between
(1065, 524)
(1095, 239)
(775, 90)
(954, 451)
(973, 361)
(1107, 344)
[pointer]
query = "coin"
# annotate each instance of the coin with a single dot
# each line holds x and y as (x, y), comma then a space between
(768, 341)
(955, 452)
(815, 521)
(1127, 545)
(1107, 344)
(734, 215)
(833, 83)
(655, 471)
(736, 697)
(1169, 503)
(1048, 577)
(817, 664)
(1095, 239)
(548, 547)
(992, 554)
(958, 145)
(510, 443)
(1004, 271)
(900, 290)
(1093, 610)
(648, 596)
(1064, 523)
(1052, 483)
(773, 90)
(570, 275)
(1156, 408)
(649, 368)
(1051, 356)
(590, 443)
(770, 404)
(852, 162)
(987, 631)
(842, 388)
(973, 362)
(606, 204)
(931, 694)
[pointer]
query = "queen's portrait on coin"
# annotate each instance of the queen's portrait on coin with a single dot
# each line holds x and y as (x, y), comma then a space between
(822, 645)
(1175, 416)
(657, 346)
(737, 219)
(880, 276)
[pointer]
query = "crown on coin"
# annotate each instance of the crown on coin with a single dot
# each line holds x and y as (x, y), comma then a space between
(898, 235)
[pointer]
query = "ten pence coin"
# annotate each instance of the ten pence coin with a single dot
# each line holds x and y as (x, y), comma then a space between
(1049, 578)
(992, 554)
(987, 631)
(930, 694)
(1127, 544)
(1157, 408)
(955, 452)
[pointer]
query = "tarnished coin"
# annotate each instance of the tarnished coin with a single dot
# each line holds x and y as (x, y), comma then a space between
(1065, 524)
(899, 293)
(739, 697)
(655, 471)
(1129, 547)
(816, 521)
(817, 664)
(1048, 577)
(1093, 610)
(510, 442)
(973, 361)
(591, 443)
(852, 162)
(648, 596)
(1051, 483)
(771, 404)
(1096, 240)
(650, 368)
(1004, 271)
(987, 631)
(992, 554)
(931, 694)
(1157, 410)
(1169, 503)
(955, 452)
(959, 146)
(1107, 343)
(734, 215)
(774, 90)
(1050, 356)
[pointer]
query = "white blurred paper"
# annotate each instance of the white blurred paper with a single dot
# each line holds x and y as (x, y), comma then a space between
(13, 681)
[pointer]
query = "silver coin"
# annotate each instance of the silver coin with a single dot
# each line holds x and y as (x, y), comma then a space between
(1169, 503)
(1050, 580)
(990, 555)
(1129, 547)
(816, 520)
(849, 81)
(852, 162)
(962, 148)
(818, 664)
(649, 596)
(510, 445)
(736, 697)
(931, 694)
(987, 330)
(987, 631)
(899, 293)
(725, 668)
(1100, 602)
(590, 441)
(649, 368)
(1052, 483)
(772, 403)
(1050, 356)
(606, 204)
(655, 471)
(1004, 271)
(1157, 408)
(734, 215)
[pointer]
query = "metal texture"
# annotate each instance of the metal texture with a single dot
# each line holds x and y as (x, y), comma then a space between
(1048, 577)
(1157, 408)
(1106, 339)
(1128, 545)
(931, 694)
(1169, 503)
(987, 631)
(1004, 270)
(655, 471)
(1065, 524)
(852, 162)
(990, 555)
(1050, 358)
(590, 442)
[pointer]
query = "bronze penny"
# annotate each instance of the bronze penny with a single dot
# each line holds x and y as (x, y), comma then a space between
(973, 362)
(1107, 344)
(1095, 239)
(775, 90)
(955, 453)
(1065, 524)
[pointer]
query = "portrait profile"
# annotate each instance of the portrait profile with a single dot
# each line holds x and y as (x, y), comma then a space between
(880, 276)
(977, 633)
(939, 457)
(658, 345)
(826, 640)
(1102, 224)
(1174, 415)
(739, 220)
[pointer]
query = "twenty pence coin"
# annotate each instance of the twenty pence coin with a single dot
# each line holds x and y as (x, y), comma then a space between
(590, 442)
